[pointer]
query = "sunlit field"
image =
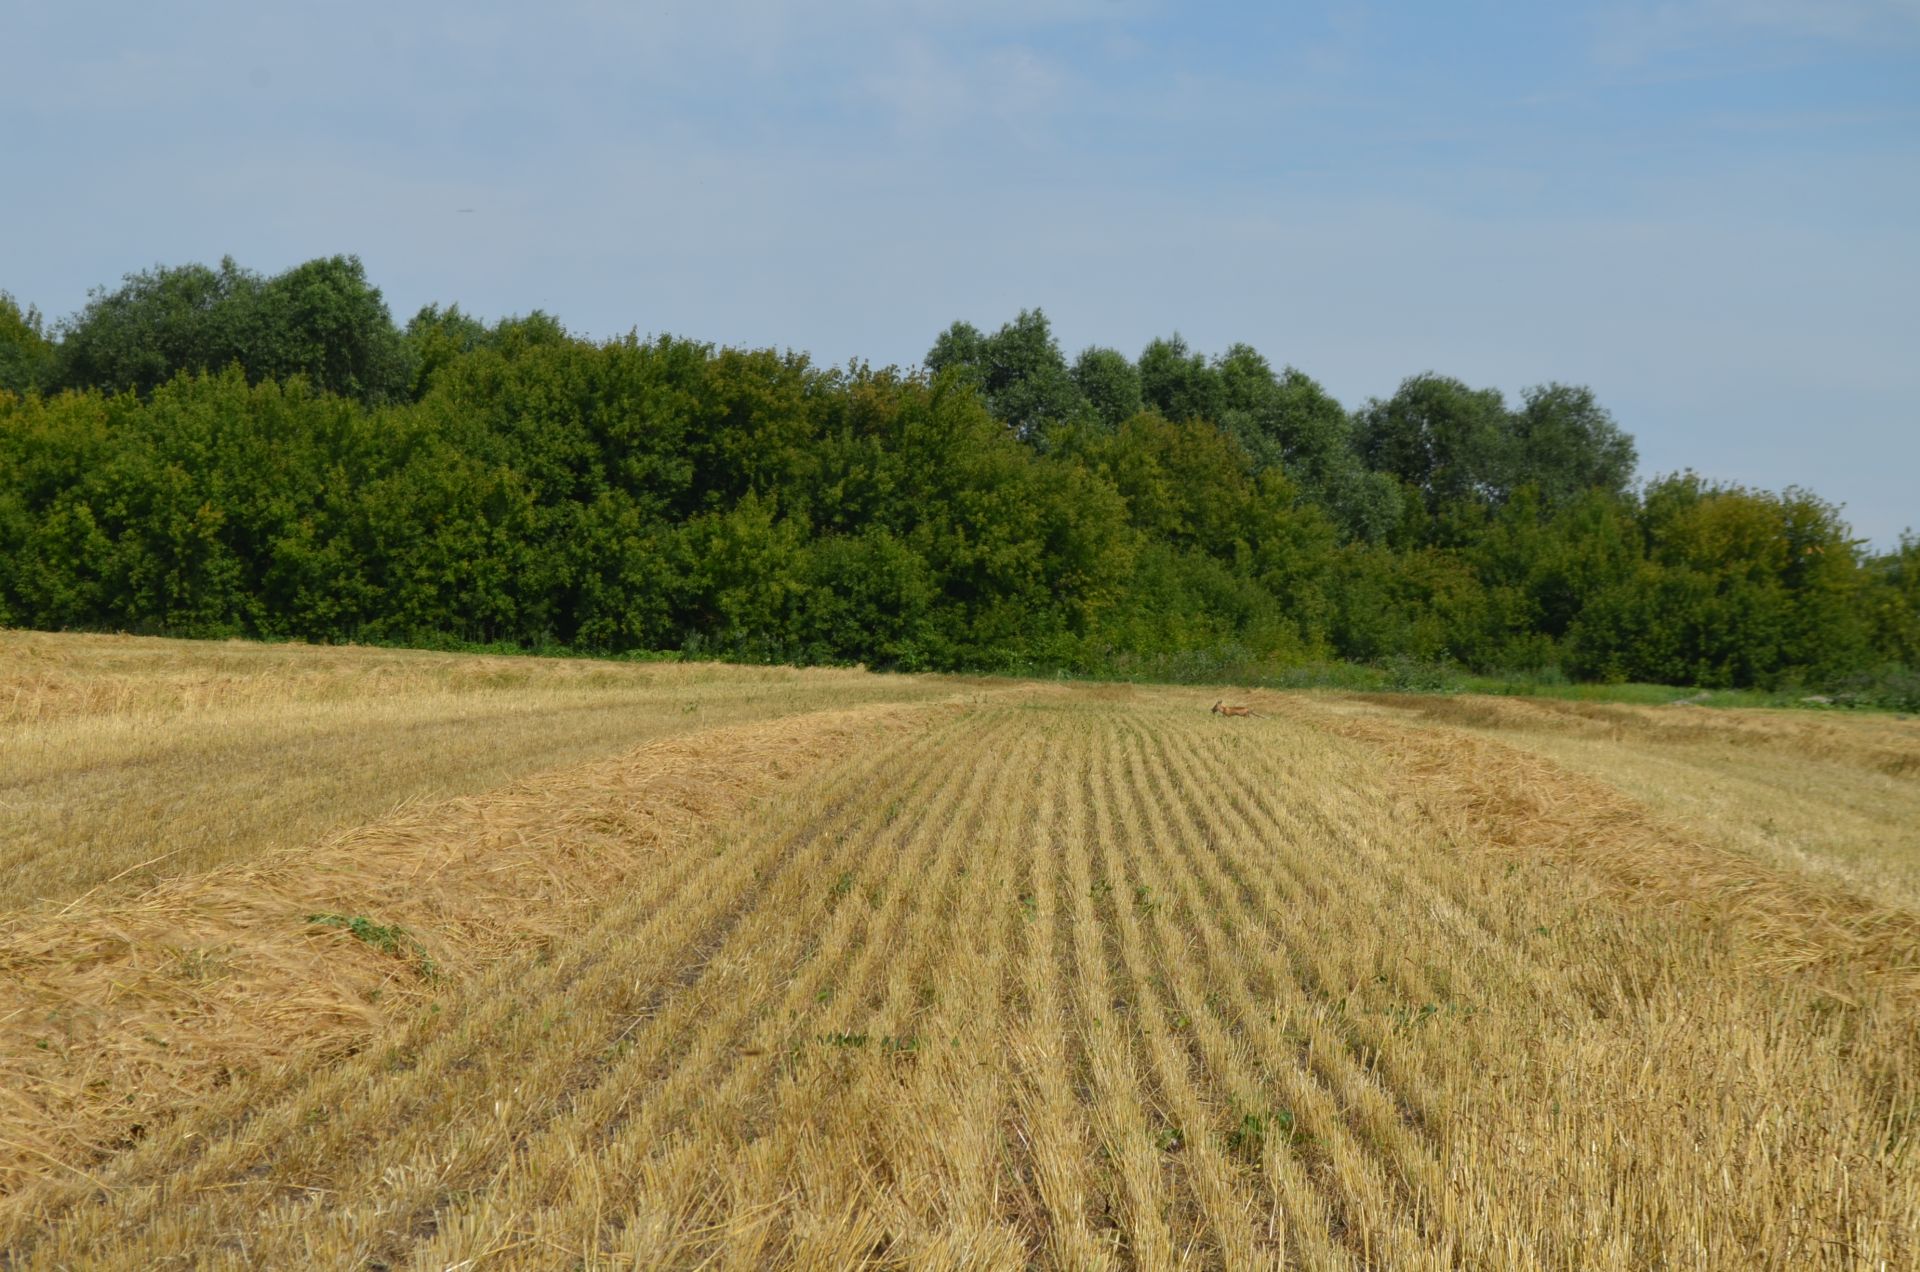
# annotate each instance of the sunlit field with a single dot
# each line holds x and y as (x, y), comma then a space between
(358, 958)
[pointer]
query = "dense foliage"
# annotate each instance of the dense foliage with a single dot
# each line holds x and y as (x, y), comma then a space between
(211, 452)
(321, 320)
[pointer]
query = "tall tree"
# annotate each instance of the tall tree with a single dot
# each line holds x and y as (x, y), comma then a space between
(1564, 443)
(1894, 602)
(321, 320)
(1440, 437)
(26, 355)
(961, 349)
(435, 337)
(1019, 371)
(156, 324)
(1178, 383)
(1110, 384)
(1248, 398)
(325, 321)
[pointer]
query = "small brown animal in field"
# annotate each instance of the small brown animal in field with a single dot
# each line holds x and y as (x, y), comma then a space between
(1221, 708)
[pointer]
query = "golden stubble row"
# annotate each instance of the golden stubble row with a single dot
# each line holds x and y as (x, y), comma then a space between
(487, 1062)
(126, 761)
(123, 1009)
(1074, 982)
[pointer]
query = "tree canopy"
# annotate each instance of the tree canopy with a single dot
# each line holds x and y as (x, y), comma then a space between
(207, 451)
(25, 352)
(321, 320)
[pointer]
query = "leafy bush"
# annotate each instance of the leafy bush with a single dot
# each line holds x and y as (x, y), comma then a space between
(1890, 688)
(1414, 675)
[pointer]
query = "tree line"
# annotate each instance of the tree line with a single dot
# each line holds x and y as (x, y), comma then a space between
(207, 451)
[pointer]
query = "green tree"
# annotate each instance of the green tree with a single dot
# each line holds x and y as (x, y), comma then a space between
(1110, 384)
(523, 485)
(961, 350)
(26, 355)
(1439, 437)
(1185, 484)
(1893, 596)
(1737, 587)
(325, 321)
(740, 581)
(1564, 443)
(1248, 400)
(436, 337)
(1179, 383)
(1288, 421)
(1019, 371)
(156, 324)
(1423, 604)
(321, 320)
(870, 598)
(517, 333)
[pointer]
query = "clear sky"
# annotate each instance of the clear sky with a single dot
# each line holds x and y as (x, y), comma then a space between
(1707, 210)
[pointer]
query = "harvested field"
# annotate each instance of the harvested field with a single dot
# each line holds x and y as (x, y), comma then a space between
(130, 760)
(924, 973)
(1827, 793)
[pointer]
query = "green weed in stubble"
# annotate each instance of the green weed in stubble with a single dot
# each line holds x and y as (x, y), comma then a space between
(840, 1039)
(1249, 1136)
(388, 938)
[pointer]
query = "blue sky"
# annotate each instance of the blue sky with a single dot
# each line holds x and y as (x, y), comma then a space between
(1708, 210)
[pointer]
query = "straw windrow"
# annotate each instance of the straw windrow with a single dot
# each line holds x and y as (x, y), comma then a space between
(121, 1012)
(1518, 802)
